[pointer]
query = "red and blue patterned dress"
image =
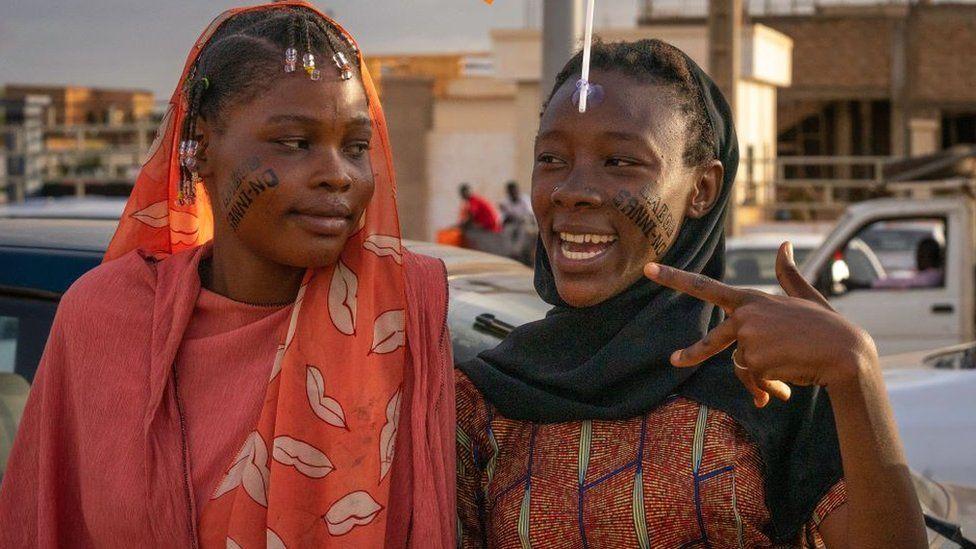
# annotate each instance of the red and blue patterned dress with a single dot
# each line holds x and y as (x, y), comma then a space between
(683, 475)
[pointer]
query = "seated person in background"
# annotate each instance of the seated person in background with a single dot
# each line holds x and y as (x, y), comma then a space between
(930, 269)
(477, 211)
(518, 224)
(517, 209)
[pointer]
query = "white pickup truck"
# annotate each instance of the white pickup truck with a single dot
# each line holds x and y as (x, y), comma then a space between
(869, 269)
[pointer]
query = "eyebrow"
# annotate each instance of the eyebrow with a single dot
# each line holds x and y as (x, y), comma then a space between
(359, 119)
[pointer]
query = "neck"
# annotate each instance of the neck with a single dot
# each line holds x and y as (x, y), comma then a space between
(241, 275)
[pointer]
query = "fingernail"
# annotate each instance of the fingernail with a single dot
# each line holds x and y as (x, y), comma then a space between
(652, 269)
(676, 357)
(789, 252)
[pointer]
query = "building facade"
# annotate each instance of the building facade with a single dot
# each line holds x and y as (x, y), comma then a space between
(473, 118)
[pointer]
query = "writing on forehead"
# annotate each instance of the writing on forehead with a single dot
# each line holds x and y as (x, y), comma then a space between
(247, 182)
(650, 214)
(594, 94)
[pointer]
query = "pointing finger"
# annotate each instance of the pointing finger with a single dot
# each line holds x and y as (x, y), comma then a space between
(696, 285)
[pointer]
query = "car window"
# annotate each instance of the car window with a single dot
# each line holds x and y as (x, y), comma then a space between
(9, 326)
(899, 254)
(25, 323)
(756, 266)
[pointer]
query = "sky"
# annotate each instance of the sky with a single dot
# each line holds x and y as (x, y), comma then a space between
(143, 44)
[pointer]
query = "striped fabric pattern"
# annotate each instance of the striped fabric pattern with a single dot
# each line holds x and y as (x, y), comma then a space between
(683, 475)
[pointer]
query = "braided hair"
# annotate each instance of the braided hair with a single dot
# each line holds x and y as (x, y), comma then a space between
(244, 57)
(656, 62)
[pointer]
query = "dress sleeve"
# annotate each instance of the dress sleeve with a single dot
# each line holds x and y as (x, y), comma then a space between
(836, 497)
(470, 491)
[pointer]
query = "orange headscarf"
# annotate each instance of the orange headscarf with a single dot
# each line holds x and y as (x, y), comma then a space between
(315, 470)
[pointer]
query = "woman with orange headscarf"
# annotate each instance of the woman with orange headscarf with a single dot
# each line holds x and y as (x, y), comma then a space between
(258, 362)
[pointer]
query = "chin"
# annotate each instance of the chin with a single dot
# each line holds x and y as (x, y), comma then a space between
(582, 294)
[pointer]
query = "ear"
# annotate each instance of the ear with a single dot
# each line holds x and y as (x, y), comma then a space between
(708, 185)
(204, 137)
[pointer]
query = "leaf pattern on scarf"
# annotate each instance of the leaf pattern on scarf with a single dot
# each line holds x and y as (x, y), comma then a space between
(305, 458)
(354, 509)
(274, 540)
(155, 215)
(342, 299)
(183, 227)
(327, 409)
(233, 477)
(388, 434)
(231, 544)
(385, 246)
(292, 326)
(250, 469)
(362, 222)
(159, 135)
(256, 475)
(389, 332)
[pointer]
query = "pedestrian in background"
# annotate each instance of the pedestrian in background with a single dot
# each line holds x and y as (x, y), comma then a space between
(518, 224)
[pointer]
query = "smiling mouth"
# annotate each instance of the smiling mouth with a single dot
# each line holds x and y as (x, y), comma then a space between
(584, 246)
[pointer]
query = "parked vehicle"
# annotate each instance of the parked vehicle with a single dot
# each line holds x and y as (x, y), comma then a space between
(40, 258)
(932, 394)
(750, 261)
(916, 316)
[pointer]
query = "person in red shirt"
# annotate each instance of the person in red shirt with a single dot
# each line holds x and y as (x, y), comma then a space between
(477, 211)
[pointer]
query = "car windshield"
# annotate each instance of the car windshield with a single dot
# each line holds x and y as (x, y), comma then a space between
(756, 266)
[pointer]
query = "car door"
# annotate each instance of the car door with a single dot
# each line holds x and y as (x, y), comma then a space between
(903, 310)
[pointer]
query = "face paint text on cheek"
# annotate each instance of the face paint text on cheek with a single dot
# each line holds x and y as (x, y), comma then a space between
(651, 216)
(248, 181)
(237, 178)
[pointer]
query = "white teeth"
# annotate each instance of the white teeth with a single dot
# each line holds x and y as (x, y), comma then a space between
(577, 255)
(587, 238)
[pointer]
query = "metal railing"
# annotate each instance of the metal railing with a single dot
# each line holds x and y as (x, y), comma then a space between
(820, 188)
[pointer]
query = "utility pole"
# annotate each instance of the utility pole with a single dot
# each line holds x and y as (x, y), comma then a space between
(562, 28)
(724, 59)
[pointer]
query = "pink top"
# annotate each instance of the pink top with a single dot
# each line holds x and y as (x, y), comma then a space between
(221, 404)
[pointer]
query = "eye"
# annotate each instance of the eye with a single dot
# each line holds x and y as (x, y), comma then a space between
(618, 162)
(357, 149)
(296, 143)
(547, 158)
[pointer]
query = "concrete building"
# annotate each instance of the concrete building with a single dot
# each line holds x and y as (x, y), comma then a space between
(473, 117)
(893, 80)
(22, 144)
(73, 105)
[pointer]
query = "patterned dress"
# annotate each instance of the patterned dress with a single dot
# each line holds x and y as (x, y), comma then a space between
(683, 475)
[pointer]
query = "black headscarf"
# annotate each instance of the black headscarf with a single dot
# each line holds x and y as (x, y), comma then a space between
(611, 360)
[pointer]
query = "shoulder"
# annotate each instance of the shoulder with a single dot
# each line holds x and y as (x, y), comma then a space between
(426, 287)
(473, 411)
(423, 270)
(126, 282)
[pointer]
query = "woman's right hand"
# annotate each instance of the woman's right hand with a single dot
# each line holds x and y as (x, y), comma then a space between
(795, 338)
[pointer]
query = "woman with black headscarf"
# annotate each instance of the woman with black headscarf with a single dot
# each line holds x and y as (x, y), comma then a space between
(623, 419)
